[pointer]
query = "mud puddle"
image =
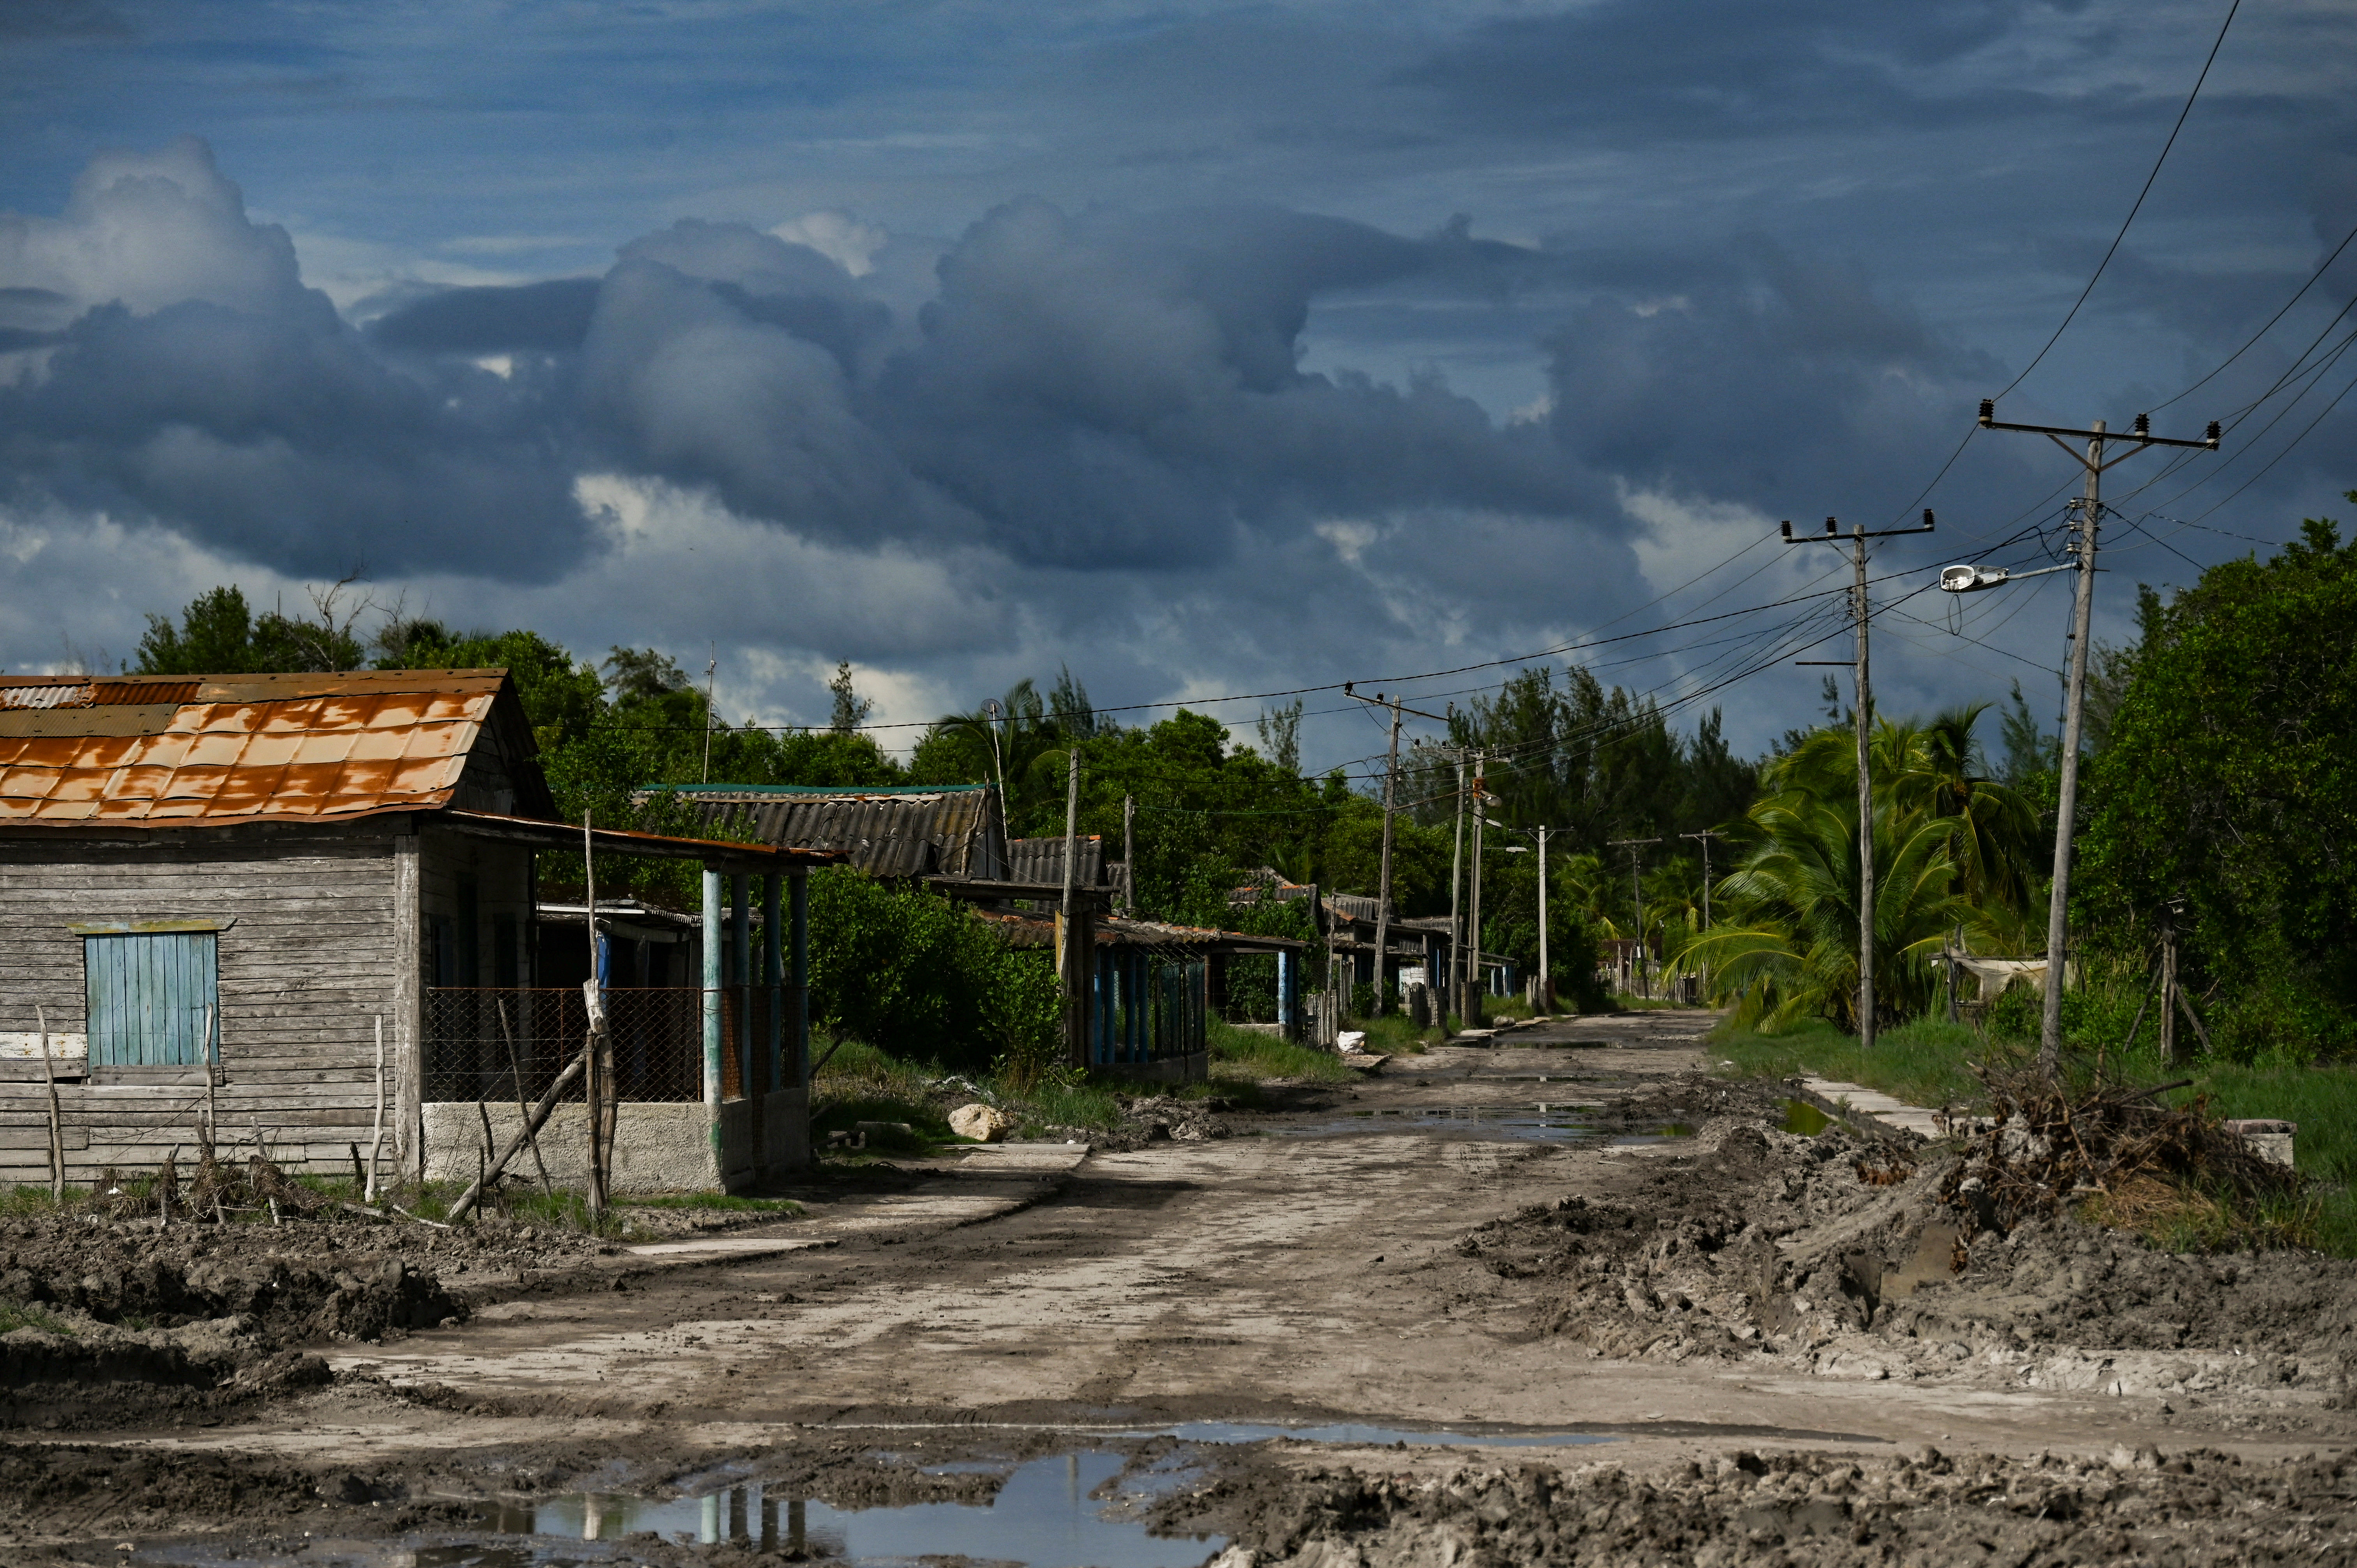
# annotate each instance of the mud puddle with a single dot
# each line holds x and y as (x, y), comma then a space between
(1569, 1121)
(1068, 1510)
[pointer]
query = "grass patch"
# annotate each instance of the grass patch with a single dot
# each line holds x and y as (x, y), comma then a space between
(726, 1202)
(1054, 1102)
(2179, 1218)
(1249, 1054)
(18, 1314)
(1629, 1001)
(1395, 1033)
(26, 1201)
(1922, 1063)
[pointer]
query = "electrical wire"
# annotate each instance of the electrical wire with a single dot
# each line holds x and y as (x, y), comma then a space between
(2212, 58)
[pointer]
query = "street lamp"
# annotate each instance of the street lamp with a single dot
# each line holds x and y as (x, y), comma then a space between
(1547, 975)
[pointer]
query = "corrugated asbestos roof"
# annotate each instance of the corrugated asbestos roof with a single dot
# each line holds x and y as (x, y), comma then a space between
(1041, 860)
(899, 832)
(1023, 930)
(169, 750)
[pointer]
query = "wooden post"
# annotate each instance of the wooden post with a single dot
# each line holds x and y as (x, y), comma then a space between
(2168, 993)
(212, 1068)
(740, 963)
(799, 900)
(1384, 877)
(57, 1122)
(1072, 944)
(515, 1072)
(773, 977)
(1129, 855)
(594, 1038)
(376, 1135)
(531, 1127)
(408, 1006)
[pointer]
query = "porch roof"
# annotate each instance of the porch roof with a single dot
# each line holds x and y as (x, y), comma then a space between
(718, 854)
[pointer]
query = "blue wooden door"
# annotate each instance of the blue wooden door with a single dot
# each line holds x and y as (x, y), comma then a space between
(150, 993)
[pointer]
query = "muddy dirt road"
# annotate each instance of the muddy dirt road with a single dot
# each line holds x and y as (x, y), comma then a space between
(1311, 1270)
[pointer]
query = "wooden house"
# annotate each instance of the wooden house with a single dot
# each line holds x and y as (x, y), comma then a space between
(296, 910)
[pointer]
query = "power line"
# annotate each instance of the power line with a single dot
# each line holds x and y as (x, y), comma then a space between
(2251, 341)
(2114, 249)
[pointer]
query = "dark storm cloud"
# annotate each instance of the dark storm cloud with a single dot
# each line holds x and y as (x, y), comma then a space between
(61, 19)
(203, 385)
(1117, 390)
(548, 317)
(1786, 381)
(1722, 68)
(1087, 391)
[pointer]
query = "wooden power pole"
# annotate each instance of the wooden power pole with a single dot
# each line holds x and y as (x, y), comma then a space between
(1860, 614)
(2090, 522)
(1637, 891)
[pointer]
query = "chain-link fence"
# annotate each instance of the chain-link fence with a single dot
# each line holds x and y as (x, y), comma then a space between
(489, 1043)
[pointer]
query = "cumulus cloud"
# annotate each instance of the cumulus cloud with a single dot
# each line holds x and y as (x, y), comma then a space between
(196, 381)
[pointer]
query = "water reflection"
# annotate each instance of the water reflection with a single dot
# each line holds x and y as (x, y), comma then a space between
(1044, 1516)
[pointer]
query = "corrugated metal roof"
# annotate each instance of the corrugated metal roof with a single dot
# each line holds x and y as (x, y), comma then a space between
(900, 831)
(160, 751)
(1022, 930)
(1041, 860)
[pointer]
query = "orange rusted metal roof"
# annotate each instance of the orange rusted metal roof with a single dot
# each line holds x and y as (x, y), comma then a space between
(160, 751)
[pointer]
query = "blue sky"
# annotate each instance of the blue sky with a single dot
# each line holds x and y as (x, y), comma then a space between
(1204, 348)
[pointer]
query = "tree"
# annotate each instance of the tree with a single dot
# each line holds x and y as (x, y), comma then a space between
(1785, 943)
(219, 635)
(2230, 786)
(851, 709)
(1280, 734)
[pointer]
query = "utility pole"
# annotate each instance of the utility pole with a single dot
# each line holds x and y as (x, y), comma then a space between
(991, 710)
(2090, 517)
(1637, 890)
(1129, 855)
(1456, 920)
(1860, 613)
(1071, 960)
(1547, 975)
(1391, 773)
(711, 667)
(1383, 880)
(1706, 836)
(1471, 1013)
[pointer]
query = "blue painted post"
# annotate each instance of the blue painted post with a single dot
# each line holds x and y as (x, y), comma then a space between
(773, 976)
(800, 981)
(713, 947)
(740, 964)
(1138, 1007)
(1100, 1044)
(1285, 967)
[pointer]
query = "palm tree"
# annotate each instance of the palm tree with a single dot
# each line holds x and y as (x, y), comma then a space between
(1019, 747)
(1952, 851)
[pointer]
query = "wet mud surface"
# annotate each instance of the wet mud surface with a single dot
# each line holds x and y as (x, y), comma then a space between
(1413, 1319)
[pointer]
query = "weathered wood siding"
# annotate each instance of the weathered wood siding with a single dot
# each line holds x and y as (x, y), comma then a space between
(312, 959)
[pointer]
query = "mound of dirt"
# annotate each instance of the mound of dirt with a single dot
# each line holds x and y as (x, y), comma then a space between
(1826, 1511)
(112, 1319)
(1839, 1252)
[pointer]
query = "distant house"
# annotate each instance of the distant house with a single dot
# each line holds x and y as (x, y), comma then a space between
(218, 894)
(887, 830)
(1346, 923)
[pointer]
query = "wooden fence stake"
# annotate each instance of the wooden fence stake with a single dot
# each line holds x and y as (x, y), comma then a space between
(532, 1124)
(57, 1122)
(376, 1136)
(515, 1070)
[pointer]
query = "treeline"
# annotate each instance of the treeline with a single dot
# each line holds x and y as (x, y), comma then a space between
(1591, 763)
(2218, 811)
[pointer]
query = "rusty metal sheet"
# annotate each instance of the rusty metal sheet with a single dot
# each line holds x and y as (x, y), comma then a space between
(372, 742)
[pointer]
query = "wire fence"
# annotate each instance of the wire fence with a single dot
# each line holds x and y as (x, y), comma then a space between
(504, 1044)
